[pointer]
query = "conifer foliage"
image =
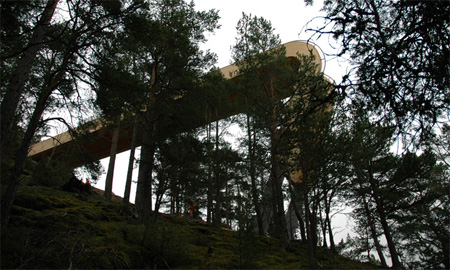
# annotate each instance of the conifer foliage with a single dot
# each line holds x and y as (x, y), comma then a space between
(138, 66)
(401, 52)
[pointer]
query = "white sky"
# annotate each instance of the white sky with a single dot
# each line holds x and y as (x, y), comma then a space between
(288, 17)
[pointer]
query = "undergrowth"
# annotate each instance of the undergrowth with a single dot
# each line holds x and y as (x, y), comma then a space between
(50, 228)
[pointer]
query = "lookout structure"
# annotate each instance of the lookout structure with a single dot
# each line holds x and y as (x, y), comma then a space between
(99, 143)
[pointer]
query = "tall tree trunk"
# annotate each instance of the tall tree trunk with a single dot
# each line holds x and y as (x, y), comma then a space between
(217, 220)
(383, 219)
(281, 225)
(160, 195)
(172, 202)
(313, 224)
(21, 160)
(300, 221)
(144, 187)
(178, 200)
(22, 72)
(22, 153)
(328, 224)
(373, 231)
(255, 197)
(126, 195)
(280, 219)
(309, 231)
(111, 165)
(144, 194)
(323, 226)
(227, 201)
(209, 205)
(327, 201)
(294, 199)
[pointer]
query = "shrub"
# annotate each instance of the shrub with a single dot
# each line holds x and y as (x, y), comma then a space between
(52, 173)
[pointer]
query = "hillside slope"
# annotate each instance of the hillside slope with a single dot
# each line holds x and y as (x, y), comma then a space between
(56, 229)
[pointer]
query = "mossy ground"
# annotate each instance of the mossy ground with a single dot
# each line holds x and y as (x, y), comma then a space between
(51, 228)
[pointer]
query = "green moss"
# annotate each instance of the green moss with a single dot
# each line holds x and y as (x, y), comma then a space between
(55, 229)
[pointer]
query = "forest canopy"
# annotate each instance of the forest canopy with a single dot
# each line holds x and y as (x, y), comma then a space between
(324, 147)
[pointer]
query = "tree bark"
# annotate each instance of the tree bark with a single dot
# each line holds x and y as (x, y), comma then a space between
(294, 198)
(22, 153)
(323, 226)
(313, 224)
(328, 220)
(383, 219)
(178, 209)
(144, 194)
(251, 153)
(374, 232)
(21, 159)
(281, 226)
(160, 190)
(227, 201)
(330, 230)
(144, 187)
(309, 236)
(300, 221)
(280, 219)
(217, 217)
(111, 165)
(209, 205)
(22, 72)
(126, 195)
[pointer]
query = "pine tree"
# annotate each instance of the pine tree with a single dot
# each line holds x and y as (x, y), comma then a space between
(16, 85)
(400, 50)
(170, 32)
(372, 166)
(59, 70)
(262, 63)
(179, 172)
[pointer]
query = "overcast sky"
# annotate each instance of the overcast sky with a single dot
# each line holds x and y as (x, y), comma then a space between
(287, 17)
